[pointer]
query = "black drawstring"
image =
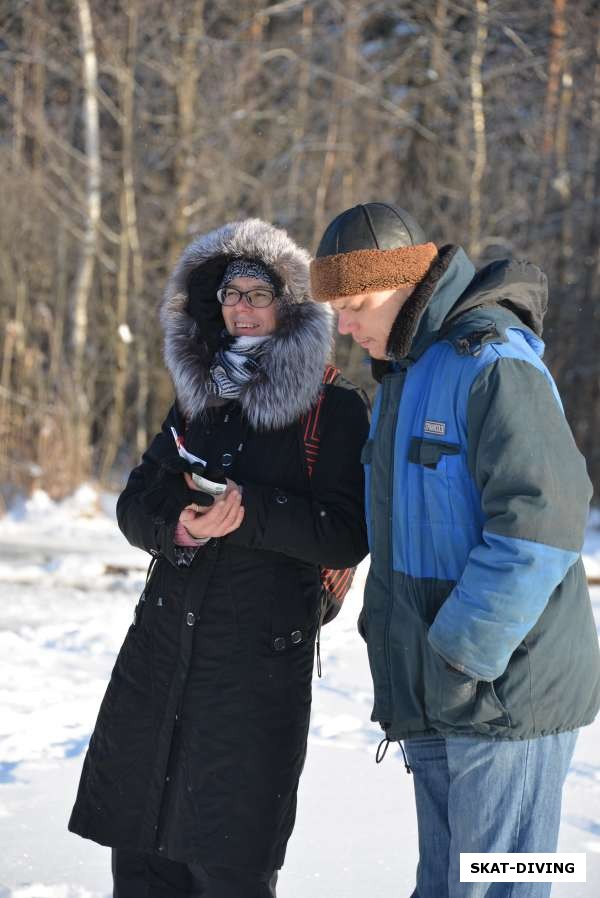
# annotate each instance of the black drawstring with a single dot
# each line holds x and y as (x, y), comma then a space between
(149, 572)
(322, 610)
(406, 764)
(380, 754)
(319, 667)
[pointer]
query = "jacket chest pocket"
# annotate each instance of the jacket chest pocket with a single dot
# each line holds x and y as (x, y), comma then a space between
(441, 469)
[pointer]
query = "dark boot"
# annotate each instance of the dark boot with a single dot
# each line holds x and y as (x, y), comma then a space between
(138, 875)
(221, 882)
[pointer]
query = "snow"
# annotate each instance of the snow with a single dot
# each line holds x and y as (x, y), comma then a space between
(68, 584)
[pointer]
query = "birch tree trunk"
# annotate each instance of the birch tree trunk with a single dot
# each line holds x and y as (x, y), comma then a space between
(187, 95)
(347, 119)
(331, 152)
(301, 115)
(479, 126)
(129, 250)
(562, 181)
(85, 270)
(555, 67)
(38, 81)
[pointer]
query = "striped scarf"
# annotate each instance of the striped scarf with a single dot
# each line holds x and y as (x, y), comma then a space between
(235, 363)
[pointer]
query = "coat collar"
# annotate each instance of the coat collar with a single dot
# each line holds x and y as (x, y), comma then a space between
(512, 292)
(422, 315)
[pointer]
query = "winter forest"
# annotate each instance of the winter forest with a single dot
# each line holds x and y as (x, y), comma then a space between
(129, 126)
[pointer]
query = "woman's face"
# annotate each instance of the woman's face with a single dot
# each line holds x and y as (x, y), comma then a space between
(244, 320)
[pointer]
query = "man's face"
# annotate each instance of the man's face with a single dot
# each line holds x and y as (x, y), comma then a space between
(368, 317)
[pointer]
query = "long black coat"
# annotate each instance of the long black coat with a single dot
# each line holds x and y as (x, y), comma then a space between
(201, 736)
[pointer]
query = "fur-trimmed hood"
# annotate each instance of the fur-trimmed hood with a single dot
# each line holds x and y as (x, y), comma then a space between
(294, 359)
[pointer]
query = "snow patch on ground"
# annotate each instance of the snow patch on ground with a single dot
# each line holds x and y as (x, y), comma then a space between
(62, 890)
(69, 583)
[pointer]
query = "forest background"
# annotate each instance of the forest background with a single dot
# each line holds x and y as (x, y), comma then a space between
(128, 126)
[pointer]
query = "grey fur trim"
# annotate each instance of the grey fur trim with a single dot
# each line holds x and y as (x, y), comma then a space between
(293, 364)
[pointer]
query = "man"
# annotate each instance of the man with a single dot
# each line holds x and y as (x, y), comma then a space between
(477, 617)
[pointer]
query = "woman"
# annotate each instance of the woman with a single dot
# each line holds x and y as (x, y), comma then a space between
(193, 767)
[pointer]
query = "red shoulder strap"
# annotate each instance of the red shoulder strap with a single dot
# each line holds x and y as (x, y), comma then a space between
(335, 583)
(312, 436)
(330, 374)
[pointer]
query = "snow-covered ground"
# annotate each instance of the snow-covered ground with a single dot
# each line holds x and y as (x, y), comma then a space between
(68, 585)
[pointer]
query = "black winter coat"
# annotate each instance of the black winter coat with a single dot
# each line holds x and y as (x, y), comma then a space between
(201, 736)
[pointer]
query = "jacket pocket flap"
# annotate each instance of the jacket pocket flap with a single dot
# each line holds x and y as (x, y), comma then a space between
(429, 452)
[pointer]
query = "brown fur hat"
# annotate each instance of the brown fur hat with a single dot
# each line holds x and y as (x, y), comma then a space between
(372, 246)
(346, 274)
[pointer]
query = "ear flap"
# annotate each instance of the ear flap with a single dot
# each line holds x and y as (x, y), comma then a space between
(203, 305)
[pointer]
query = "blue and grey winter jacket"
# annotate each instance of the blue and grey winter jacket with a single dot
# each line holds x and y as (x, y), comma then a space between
(477, 614)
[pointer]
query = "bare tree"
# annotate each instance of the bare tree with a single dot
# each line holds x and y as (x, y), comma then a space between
(85, 272)
(479, 125)
(555, 67)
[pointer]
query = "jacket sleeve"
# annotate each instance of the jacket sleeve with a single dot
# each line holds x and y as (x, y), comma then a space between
(535, 496)
(151, 525)
(327, 528)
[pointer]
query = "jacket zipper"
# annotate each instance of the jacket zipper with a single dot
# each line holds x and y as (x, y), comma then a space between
(388, 618)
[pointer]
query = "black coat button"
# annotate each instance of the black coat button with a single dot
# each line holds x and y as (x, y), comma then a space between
(296, 637)
(281, 499)
(279, 643)
(190, 619)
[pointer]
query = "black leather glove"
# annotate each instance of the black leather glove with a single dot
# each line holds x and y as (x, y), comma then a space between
(175, 464)
(168, 496)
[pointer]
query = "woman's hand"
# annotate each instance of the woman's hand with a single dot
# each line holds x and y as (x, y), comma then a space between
(222, 517)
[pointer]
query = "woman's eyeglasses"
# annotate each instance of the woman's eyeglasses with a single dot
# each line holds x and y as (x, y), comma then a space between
(258, 298)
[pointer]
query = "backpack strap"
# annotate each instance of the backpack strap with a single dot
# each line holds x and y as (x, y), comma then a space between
(336, 582)
(331, 374)
(312, 434)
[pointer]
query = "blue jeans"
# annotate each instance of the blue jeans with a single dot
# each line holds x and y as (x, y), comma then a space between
(482, 795)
